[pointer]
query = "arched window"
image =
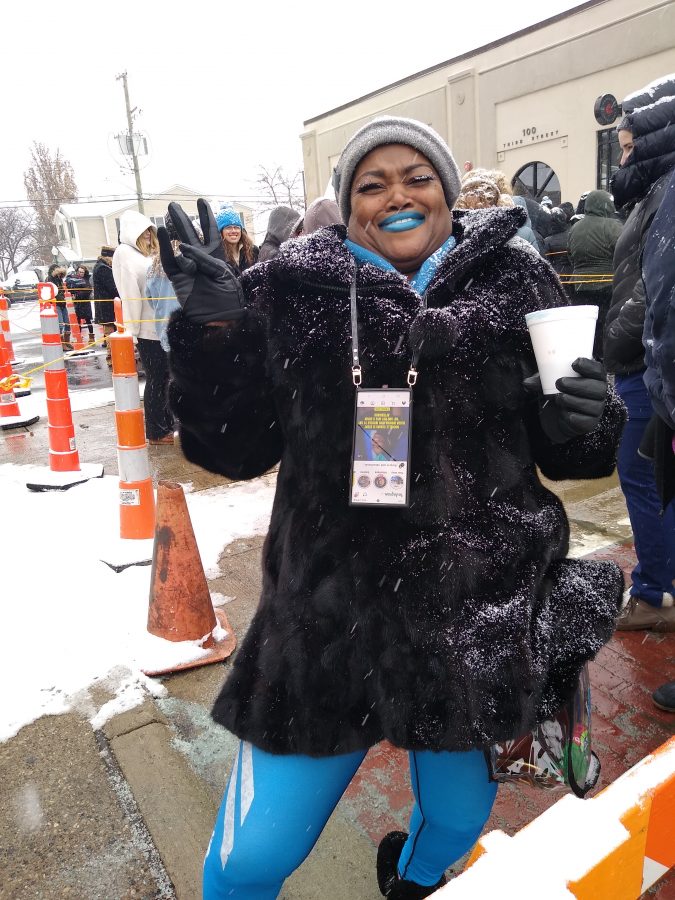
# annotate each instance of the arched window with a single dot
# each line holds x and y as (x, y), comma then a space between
(537, 180)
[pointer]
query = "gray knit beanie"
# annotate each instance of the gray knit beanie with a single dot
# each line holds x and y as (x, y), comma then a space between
(395, 130)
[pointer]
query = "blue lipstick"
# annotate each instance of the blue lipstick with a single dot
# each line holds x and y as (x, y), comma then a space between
(402, 221)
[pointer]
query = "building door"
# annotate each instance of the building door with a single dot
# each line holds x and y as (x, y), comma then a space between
(537, 180)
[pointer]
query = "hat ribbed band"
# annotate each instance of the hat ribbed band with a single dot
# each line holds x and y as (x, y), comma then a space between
(394, 130)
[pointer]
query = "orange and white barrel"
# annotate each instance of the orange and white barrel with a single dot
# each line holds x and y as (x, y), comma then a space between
(63, 455)
(137, 497)
(4, 326)
(9, 408)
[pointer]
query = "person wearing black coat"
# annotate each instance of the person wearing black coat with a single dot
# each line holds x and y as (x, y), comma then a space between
(658, 275)
(591, 247)
(648, 142)
(556, 248)
(105, 292)
(79, 284)
(441, 625)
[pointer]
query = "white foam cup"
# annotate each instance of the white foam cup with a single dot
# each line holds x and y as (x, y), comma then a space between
(559, 336)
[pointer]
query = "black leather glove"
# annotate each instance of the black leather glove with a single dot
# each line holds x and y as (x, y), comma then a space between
(578, 408)
(205, 285)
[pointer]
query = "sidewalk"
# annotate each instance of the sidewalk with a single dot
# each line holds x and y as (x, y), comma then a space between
(127, 812)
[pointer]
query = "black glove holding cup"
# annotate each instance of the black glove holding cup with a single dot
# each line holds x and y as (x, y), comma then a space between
(577, 408)
(205, 285)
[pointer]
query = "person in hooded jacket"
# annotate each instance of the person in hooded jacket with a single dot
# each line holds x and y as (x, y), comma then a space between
(105, 291)
(282, 221)
(321, 212)
(647, 140)
(442, 624)
(130, 264)
(556, 249)
(79, 284)
(526, 232)
(658, 275)
(591, 246)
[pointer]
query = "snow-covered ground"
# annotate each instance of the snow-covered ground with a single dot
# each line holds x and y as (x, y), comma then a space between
(68, 622)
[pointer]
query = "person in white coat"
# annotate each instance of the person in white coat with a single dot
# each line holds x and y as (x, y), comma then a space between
(131, 260)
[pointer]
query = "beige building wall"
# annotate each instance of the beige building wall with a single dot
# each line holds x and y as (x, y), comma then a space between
(523, 99)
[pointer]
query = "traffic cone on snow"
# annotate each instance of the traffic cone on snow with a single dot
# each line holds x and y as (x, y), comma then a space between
(180, 607)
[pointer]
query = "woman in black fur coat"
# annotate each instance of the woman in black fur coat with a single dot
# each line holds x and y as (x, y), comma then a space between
(442, 626)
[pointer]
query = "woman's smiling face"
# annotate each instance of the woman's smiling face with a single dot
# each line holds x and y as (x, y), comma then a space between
(398, 206)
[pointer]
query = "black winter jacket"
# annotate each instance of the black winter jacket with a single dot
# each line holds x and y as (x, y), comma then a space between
(592, 242)
(446, 625)
(658, 272)
(623, 350)
(104, 289)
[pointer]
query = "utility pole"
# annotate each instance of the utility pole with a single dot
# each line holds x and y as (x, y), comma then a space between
(131, 142)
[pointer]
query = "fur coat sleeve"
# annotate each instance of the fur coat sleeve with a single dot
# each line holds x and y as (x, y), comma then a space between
(220, 393)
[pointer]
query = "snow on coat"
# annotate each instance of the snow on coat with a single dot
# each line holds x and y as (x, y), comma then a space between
(446, 625)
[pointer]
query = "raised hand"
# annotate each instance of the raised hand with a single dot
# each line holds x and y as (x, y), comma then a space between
(205, 285)
(578, 407)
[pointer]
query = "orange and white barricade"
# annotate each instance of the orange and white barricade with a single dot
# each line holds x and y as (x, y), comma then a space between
(137, 497)
(63, 454)
(64, 461)
(4, 325)
(613, 846)
(5, 328)
(10, 414)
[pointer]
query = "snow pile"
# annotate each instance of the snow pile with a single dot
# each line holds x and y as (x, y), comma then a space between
(68, 622)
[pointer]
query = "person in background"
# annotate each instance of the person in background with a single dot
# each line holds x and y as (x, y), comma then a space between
(160, 292)
(130, 264)
(282, 222)
(240, 251)
(556, 249)
(591, 245)
(79, 285)
(56, 274)
(357, 638)
(526, 232)
(647, 140)
(105, 292)
(480, 189)
(658, 338)
(320, 213)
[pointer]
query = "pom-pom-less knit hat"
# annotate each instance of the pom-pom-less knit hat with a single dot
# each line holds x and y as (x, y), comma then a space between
(395, 130)
(228, 215)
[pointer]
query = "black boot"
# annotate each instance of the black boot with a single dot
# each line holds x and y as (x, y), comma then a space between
(393, 887)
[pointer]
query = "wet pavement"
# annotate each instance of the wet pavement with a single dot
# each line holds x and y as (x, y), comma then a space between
(126, 812)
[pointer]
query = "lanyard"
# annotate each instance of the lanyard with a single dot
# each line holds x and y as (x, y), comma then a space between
(356, 366)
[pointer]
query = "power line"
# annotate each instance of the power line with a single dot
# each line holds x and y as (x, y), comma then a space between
(118, 198)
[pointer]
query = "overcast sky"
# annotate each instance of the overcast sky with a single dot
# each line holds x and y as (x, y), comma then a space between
(221, 87)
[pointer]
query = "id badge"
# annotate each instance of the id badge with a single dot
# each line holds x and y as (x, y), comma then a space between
(381, 452)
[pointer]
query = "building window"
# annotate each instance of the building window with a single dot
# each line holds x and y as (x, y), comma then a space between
(537, 180)
(117, 229)
(157, 221)
(62, 233)
(609, 153)
(71, 229)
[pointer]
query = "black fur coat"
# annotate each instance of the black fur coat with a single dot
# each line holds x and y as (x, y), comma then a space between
(447, 625)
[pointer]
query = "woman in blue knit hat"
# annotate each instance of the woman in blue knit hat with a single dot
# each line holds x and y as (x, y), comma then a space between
(240, 250)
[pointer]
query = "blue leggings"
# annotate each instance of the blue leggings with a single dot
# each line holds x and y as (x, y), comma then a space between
(275, 808)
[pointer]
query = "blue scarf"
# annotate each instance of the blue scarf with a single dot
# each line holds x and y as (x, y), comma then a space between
(421, 279)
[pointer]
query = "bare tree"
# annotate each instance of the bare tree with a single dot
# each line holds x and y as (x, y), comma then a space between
(49, 181)
(17, 239)
(278, 188)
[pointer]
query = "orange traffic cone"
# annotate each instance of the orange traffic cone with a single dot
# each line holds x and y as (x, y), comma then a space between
(180, 604)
